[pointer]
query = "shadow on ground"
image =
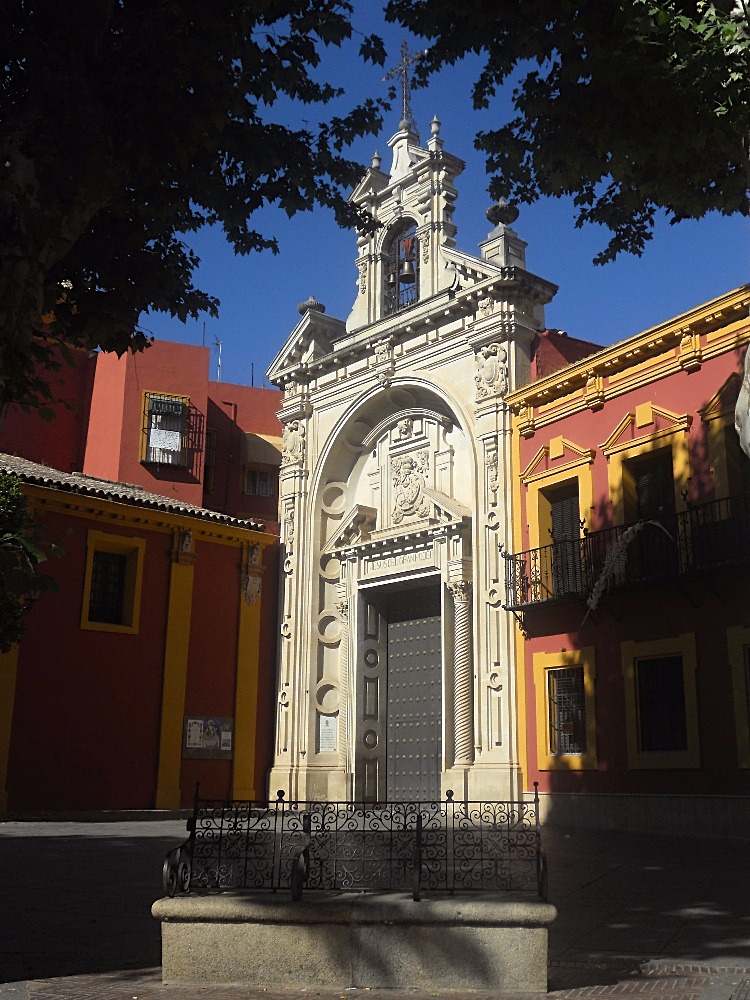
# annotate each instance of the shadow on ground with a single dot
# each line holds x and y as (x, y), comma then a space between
(628, 899)
(79, 904)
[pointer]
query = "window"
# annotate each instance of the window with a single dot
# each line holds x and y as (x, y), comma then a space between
(567, 710)
(661, 702)
(259, 482)
(165, 423)
(738, 643)
(566, 534)
(402, 270)
(112, 584)
(565, 706)
(649, 484)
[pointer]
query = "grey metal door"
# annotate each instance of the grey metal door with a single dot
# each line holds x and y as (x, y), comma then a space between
(414, 712)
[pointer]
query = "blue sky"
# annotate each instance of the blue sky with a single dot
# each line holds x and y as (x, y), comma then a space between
(682, 267)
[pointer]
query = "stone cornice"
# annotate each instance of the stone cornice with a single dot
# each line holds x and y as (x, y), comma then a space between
(680, 344)
(447, 306)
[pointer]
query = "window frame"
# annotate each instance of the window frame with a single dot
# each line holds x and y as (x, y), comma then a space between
(542, 664)
(133, 548)
(184, 457)
(272, 475)
(682, 645)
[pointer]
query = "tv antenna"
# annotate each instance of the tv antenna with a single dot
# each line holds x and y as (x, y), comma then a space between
(218, 344)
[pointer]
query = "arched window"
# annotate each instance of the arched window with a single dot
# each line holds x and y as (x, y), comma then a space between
(402, 270)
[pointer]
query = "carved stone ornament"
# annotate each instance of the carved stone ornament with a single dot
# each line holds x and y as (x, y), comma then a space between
(251, 588)
(186, 541)
(425, 244)
(461, 591)
(384, 357)
(362, 269)
(486, 306)
(492, 468)
(342, 609)
(405, 428)
(492, 371)
(293, 447)
(289, 530)
(408, 486)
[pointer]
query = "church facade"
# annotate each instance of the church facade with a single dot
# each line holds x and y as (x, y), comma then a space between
(396, 669)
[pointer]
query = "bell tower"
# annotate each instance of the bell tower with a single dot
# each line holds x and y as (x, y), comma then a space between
(402, 262)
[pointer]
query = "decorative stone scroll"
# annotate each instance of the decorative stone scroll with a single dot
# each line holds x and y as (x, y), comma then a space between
(492, 371)
(362, 269)
(409, 473)
(462, 701)
(293, 446)
(384, 360)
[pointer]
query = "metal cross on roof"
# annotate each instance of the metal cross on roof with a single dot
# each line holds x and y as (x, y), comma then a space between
(401, 70)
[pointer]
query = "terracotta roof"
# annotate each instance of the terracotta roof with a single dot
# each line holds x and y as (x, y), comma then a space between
(106, 489)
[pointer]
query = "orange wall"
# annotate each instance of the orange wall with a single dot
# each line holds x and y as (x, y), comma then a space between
(58, 442)
(115, 437)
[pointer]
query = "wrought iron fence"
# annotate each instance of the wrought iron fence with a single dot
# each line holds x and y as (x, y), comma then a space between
(706, 536)
(445, 845)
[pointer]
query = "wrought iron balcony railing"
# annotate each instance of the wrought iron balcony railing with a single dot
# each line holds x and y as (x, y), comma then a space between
(705, 537)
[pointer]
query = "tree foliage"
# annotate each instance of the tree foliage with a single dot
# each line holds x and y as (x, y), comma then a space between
(124, 125)
(629, 106)
(21, 553)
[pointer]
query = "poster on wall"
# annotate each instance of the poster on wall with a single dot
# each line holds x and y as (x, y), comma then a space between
(208, 737)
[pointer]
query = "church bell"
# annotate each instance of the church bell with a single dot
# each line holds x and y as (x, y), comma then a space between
(407, 275)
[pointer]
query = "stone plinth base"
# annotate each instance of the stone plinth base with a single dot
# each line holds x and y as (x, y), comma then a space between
(488, 941)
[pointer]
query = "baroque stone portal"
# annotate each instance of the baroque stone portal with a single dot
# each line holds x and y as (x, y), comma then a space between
(397, 662)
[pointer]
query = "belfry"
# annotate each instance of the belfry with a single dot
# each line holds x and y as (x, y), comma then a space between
(396, 676)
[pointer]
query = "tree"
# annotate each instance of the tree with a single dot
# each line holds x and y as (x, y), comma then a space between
(630, 106)
(125, 125)
(21, 553)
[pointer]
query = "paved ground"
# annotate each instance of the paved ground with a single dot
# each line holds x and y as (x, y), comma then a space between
(637, 915)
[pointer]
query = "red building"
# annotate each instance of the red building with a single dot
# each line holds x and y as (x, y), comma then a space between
(629, 578)
(152, 666)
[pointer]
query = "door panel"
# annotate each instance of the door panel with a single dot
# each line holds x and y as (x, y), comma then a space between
(415, 696)
(372, 660)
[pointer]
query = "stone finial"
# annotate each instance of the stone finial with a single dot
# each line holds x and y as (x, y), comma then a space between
(502, 212)
(311, 305)
(376, 160)
(435, 125)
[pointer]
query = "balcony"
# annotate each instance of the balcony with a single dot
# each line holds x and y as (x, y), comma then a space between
(706, 537)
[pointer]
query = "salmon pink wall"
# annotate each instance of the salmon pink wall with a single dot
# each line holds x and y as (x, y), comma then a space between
(706, 606)
(682, 392)
(235, 410)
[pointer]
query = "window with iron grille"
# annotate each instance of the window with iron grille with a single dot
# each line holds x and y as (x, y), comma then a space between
(259, 482)
(165, 424)
(112, 585)
(566, 700)
(662, 724)
(108, 574)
